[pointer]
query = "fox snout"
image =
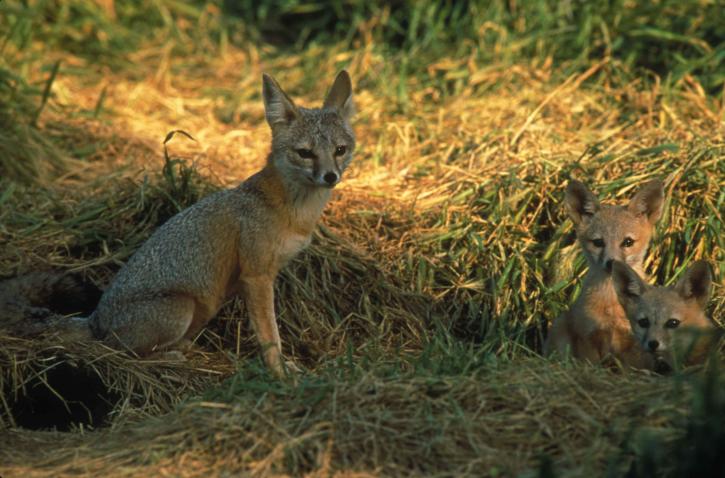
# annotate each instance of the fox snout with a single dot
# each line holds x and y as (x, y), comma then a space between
(609, 254)
(327, 179)
(324, 179)
(326, 172)
(606, 260)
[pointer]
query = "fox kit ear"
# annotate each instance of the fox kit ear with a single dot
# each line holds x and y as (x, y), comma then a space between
(582, 204)
(695, 283)
(340, 95)
(648, 201)
(278, 107)
(627, 282)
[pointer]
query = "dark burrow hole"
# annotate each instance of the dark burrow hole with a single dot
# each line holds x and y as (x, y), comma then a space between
(86, 400)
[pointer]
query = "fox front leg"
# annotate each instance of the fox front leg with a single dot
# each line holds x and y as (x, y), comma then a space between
(258, 294)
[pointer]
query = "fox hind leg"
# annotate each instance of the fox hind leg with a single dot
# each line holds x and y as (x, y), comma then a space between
(153, 324)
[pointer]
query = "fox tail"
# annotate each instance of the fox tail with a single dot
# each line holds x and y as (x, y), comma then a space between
(41, 301)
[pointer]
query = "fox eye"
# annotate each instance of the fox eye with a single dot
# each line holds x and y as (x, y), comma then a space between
(599, 243)
(672, 324)
(340, 150)
(628, 242)
(643, 322)
(305, 153)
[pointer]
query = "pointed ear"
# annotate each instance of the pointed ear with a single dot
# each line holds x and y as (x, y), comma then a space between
(340, 95)
(278, 107)
(580, 202)
(627, 283)
(695, 283)
(648, 201)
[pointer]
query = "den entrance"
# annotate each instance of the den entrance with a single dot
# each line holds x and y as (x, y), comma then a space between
(62, 397)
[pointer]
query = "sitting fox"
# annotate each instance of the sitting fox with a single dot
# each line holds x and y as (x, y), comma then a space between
(234, 241)
(596, 326)
(669, 322)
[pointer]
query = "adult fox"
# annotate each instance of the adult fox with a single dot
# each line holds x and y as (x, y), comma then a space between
(234, 241)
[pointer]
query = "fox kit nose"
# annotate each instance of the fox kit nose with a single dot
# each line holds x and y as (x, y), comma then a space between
(653, 345)
(330, 178)
(608, 265)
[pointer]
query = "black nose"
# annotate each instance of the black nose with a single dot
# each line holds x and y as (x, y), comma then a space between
(608, 265)
(653, 344)
(330, 178)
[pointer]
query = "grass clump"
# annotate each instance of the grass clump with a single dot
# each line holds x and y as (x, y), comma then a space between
(691, 447)
(402, 417)
(27, 153)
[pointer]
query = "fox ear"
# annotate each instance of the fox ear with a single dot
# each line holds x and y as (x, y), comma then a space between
(581, 202)
(648, 201)
(627, 283)
(695, 283)
(278, 107)
(340, 95)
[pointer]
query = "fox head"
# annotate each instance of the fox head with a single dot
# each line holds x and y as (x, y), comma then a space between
(668, 321)
(610, 233)
(311, 146)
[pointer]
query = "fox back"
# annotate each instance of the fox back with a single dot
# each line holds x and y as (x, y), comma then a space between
(669, 322)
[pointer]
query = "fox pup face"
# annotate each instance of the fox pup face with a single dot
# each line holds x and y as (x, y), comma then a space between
(312, 146)
(667, 320)
(610, 233)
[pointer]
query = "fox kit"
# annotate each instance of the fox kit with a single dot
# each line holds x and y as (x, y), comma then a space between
(596, 326)
(234, 241)
(668, 322)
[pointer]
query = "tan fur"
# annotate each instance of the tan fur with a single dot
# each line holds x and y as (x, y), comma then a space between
(596, 327)
(669, 322)
(234, 241)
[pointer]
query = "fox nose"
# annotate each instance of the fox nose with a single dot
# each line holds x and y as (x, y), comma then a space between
(608, 265)
(653, 344)
(330, 178)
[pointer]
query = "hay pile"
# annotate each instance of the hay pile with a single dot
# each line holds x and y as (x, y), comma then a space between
(498, 420)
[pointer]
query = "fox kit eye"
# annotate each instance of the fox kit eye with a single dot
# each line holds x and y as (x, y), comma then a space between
(628, 242)
(672, 324)
(644, 322)
(599, 243)
(305, 153)
(340, 150)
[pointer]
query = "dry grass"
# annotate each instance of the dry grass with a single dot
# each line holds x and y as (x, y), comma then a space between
(132, 387)
(423, 298)
(498, 420)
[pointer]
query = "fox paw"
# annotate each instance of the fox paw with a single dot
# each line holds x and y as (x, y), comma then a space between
(286, 369)
(168, 356)
(290, 367)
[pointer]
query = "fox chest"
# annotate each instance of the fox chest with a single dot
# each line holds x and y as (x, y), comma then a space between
(290, 245)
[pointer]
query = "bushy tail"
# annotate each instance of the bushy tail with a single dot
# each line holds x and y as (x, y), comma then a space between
(40, 301)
